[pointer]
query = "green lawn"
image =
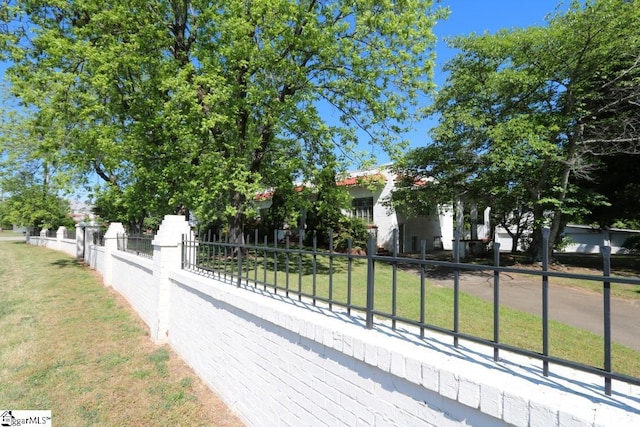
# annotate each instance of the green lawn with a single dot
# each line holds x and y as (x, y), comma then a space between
(624, 266)
(10, 233)
(72, 347)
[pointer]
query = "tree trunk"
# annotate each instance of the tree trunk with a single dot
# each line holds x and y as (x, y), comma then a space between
(535, 248)
(237, 220)
(515, 238)
(474, 220)
(556, 222)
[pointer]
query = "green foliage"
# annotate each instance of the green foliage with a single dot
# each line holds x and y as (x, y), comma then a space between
(32, 181)
(36, 211)
(613, 179)
(524, 113)
(562, 242)
(284, 210)
(632, 243)
(199, 105)
(325, 213)
(630, 224)
(350, 229)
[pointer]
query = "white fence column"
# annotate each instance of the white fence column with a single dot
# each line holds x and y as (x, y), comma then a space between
(61, 233)
(167, 255)
(80, 240)
(110, 247)
(91, 230)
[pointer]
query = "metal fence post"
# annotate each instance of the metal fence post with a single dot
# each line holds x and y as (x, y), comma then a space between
(287, 260)
(370, 281)
(330, 269)
(239, 242)
(264, 261)
(456, 286)
(300, 241)
(394, 279)
(349, 271)
(496, 300)
(423, 287)
(606, 271)
(184, 252)
(314, 289)
(545, 299)
(275, 261)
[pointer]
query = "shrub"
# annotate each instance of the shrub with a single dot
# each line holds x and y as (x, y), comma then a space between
(632, 243)
(350, 228)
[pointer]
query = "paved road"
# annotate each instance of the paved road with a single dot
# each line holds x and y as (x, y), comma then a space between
(580, 308)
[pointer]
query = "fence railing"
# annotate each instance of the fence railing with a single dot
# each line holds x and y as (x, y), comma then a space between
(139, 244)
(69, 234)
(98, 238)
(367, 282)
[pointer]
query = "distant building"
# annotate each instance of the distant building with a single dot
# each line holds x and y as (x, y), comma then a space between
(369, 189)
(586, 239)
(80, 211)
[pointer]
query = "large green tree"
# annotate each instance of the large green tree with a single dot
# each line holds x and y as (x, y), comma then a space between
(190, 104)
(616, 180)
(32, 182)
(524, 113)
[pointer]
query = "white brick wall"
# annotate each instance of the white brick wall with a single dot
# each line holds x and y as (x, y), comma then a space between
(133, 278)
(95, 257)
(280, 363)
(68, 246)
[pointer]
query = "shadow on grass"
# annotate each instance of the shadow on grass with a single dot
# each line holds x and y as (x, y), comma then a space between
(66, 263)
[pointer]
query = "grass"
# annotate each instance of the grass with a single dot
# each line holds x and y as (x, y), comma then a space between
(476, 316)
(624, 266)
(10, 233)
(618, 290)
(71, 346)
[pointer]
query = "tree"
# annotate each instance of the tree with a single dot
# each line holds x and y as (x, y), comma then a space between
(32, 182)
(192, 103)
(531, 109)
(325, 214)
(615, 180)
(29, 206)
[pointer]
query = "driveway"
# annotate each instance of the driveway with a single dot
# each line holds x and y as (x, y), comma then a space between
(575, 307)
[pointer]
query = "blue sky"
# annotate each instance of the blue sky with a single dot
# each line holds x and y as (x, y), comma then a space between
(478, 16)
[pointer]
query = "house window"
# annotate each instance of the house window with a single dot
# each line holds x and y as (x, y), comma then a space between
(363, 208)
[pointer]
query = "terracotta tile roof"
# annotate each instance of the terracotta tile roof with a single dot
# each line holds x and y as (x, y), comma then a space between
(352, 181)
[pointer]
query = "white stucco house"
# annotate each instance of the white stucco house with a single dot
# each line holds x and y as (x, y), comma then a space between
(368, 204)
(588, 240)
(583, 239)
(369, 189)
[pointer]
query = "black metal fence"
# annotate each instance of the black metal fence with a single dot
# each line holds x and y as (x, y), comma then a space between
(139, 244)
(69, 234)
(365, 281)
(98, 238)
